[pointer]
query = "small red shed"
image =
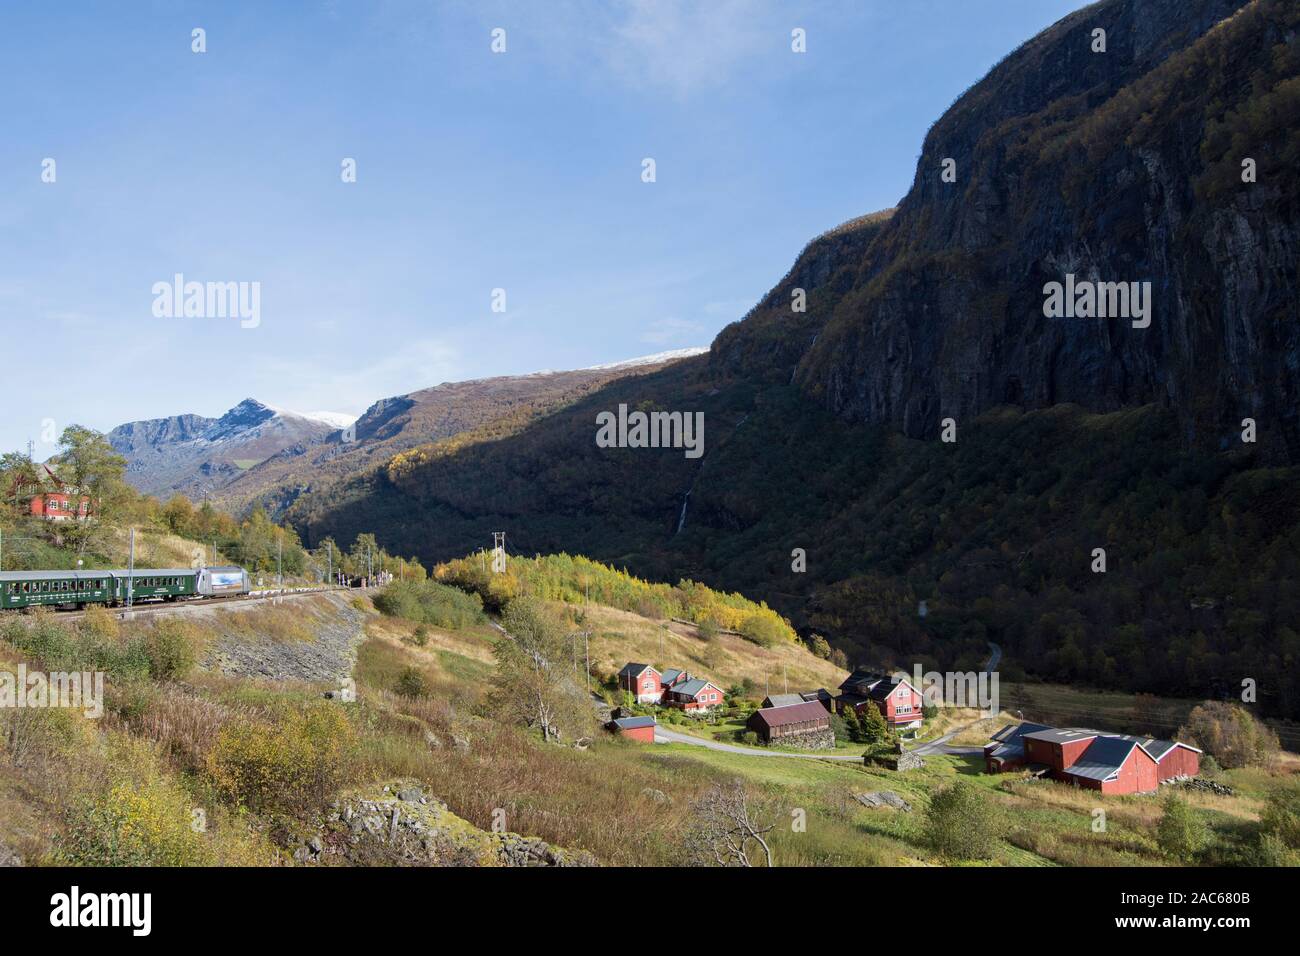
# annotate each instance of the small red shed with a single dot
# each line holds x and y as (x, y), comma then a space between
(635, 728)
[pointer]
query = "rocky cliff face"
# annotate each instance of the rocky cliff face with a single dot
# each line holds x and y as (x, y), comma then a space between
(1115, 166)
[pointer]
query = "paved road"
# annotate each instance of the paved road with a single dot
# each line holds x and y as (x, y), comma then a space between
(940, 745)
(994, 657)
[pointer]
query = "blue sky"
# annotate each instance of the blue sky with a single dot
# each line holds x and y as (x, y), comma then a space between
(475, 171)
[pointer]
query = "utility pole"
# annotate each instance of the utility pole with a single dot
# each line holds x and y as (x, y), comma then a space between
(2, 550)
(498, 552)
(785, 676)
(279, 560)
(586, 653)
(330, 548)
(130, 572)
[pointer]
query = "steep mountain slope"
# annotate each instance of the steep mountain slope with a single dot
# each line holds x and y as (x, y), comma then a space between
(1122, 166)
(257, 453)
(196, 455)
(394, 425)
(1073, 434)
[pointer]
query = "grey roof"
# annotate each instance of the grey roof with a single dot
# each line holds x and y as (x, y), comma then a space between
(671, 674)
(821, 693)
(1159, 748)
(1015, 731)
(1103, 758)
(631, 723)
(691, 687)
(1010, 744)
(784, 700)
(1061, 735)
(52, 575)
(793, 714)
(632, 670)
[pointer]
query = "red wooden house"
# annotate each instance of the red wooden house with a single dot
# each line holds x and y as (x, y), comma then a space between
(643, 682)
(898, 700)
(61, 503)
(694, 694)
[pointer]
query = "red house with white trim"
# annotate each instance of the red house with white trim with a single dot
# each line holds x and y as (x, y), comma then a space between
(61, 504)
(643, 682)
(694, 694)
(898, 700)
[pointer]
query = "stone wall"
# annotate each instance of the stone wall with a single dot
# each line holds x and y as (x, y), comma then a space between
(822, 739)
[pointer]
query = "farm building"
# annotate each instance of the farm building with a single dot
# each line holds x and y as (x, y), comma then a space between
(634, 728)
(693, 694)
(642, 681)
(898, 700)
(1111, 763)
(1006, 750)
(1175, 759)
(782, 700)
(804, 724)
(822, 696)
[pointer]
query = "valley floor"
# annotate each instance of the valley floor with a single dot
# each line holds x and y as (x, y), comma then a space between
(236, 744)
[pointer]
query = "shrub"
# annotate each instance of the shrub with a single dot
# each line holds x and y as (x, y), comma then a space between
(819, 646)
(412, 683)
(101, 624)
(133, 824)
(421, 636)
(961, 825)
(428, 602)
(293, 763)
(1281, 817)
(171, 647)
(1181, 833)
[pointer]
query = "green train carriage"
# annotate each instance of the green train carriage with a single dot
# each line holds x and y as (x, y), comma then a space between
(24, 589)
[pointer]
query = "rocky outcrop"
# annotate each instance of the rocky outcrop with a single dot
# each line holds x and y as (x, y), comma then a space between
(1122, 166)
(883, 798)
(402, 826)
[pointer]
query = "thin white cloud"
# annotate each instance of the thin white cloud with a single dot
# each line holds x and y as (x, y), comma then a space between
(684, 46)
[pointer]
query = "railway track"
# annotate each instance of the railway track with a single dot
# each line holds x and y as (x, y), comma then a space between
(153, 608)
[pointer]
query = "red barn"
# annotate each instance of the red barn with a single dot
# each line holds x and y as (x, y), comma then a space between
(1115, 764)
(1111, 763)
(1006, 749)
(641, 729)
(1174, 759)
(642, 681)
